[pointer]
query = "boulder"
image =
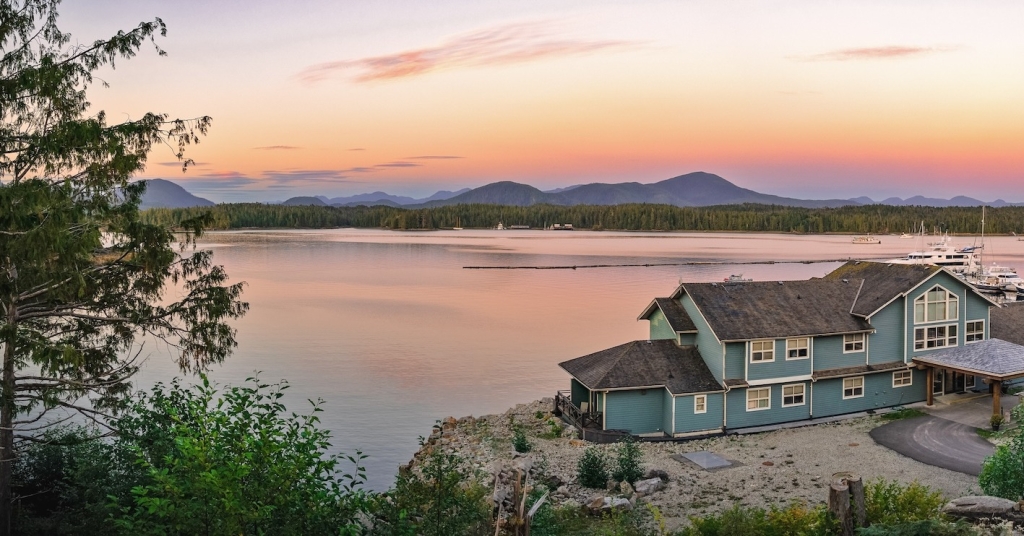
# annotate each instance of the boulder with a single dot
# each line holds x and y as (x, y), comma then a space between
(656, 473)
(626, 489)
(616, 503)
(649, 486)
(500, 496)
(983, 507)
(594, 504)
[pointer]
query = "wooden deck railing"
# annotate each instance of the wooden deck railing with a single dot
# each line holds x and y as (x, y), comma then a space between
(576, 416)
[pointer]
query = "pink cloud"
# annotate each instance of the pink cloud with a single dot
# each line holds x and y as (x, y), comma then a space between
(875, 53)
(514, 43)
(276, 148)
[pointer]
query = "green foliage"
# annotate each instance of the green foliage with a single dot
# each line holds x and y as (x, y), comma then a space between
(439, 499)
(902, 413)
(629, 461)
(1002, 473)
(564, 521)
(890, 503)
(519, 440)
(797, 519)
(234, 462)
(879, 219)
(592, 469)
(927, 527)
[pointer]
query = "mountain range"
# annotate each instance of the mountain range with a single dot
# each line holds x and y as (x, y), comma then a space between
(690, 190)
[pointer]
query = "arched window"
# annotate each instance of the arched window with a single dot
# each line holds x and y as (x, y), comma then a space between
(936, 305)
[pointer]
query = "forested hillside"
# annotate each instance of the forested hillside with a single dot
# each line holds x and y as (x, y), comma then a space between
(633, 217)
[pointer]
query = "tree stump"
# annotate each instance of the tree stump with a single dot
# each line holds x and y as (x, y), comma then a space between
(839, 505)
(856, 485)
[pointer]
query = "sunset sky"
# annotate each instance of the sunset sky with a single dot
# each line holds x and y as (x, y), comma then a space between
(806, 99)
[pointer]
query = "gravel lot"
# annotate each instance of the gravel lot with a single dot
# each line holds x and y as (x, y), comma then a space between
(772, 468)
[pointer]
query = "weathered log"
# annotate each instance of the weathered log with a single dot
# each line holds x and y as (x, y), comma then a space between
(839, 505)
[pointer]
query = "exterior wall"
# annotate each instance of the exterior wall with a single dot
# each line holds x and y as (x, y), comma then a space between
(735, 355)
(739, 417)
(659, 326)
(977, 309)
(887, 343)
(666, 411)
(878, 393)
(579, 393)
(707, 344)
(687, 339)
(688, 421)
(636, 410)
(828, 354)
(968, 304)
(780, 368)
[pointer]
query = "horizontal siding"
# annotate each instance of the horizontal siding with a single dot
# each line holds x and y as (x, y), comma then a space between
(708, 346)
(735, 354)
(687, 339)
(688, 421)
(951, 284)
(579, 394)
(878, 393)
(828, 354)
(666, 411)
(780, 368)
(886, 346)
(739, 417)
(659, 326)
(636, 410)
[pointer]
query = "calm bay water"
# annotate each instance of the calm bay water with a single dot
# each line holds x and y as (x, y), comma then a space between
(393, 333)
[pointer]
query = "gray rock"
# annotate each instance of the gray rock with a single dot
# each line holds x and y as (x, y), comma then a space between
(978, 506)
(626, 489)
(656, 473)
(500, 496)
(611, 485)
(649, 486)
(616, 503)
(562, 491)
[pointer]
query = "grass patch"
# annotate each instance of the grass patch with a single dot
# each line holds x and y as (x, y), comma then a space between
(902, 413)
(986, 433)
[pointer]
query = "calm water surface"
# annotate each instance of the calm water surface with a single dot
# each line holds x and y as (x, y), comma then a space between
(392, 332)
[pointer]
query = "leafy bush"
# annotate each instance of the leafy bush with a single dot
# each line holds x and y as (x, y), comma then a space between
(928, 527)
(565, 521)
(519, 441)
(890, 503)
(794, 520)
(592, 470)
(1002, 473)
(629, 460)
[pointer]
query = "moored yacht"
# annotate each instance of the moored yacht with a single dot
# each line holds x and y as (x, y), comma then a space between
(998, 278)
(942, 253)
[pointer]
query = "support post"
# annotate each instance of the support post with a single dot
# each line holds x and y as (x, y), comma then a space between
(930, 397)
(997, 389)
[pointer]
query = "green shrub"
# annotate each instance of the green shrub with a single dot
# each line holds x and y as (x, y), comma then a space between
(564, 521)
(519, 441)
(797, 519)
(1002, 474)
(592, 470)
(928, 527)
(890, 503)
(629, 458)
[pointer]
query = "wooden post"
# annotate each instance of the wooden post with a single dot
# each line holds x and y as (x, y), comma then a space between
(856, 485)
(839, 505)
(997, 388)
(930, 397)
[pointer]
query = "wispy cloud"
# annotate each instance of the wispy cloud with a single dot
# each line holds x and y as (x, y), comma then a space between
(876, 53)
(179, 164)
(276, 148)
(433, 157)
(398, 165)
(501, 45)
(357, 149)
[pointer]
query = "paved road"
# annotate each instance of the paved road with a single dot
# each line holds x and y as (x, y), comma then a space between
(937, 442)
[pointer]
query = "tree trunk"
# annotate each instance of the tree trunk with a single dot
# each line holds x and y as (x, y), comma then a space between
(856, 485)
(839, 505)
(7, 431)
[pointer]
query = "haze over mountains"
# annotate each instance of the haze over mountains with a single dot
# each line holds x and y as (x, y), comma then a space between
(691, 190)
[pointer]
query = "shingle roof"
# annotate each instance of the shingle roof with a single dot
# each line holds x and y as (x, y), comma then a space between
(882, 282)
(677, 318)
(1008, 322)
(757, 310)
(994, 357)
(644, 364)
(855, 370)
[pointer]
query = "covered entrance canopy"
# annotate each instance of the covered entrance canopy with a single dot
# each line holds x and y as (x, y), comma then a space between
(993, 360)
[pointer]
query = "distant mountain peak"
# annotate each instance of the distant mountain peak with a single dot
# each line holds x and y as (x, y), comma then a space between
(161, 193)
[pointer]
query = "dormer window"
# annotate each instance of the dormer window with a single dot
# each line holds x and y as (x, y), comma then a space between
(936, 305)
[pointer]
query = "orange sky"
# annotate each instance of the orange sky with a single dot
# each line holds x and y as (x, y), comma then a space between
(805, 99)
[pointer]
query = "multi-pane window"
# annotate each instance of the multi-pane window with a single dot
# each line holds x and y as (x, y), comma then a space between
(853, 387)
(936, 305)
(934, 337)
(761, 351)
(974, 331)
(793, 395)
(797, 348)
(758, 399)
(902, 378)
(700, 404)
(853, 343)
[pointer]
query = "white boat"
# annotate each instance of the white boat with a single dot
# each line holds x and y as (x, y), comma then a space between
(906, 235)
(737, 278)
(500, 227)
(965, 260)
(866, 240)
(998, 278)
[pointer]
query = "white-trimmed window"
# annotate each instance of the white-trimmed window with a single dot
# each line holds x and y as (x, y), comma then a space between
(902, 378)
(934, 337)
(853, 342)
(759, 399)
(700, 404)
(793, 395)
(798, 348)
(762, 351)
(853, 387)
(974, 331)
(936, 305)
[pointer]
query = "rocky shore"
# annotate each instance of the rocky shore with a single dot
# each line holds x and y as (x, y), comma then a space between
(771, 468)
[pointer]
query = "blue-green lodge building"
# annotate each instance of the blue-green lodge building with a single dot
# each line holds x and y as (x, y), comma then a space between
(734, 355)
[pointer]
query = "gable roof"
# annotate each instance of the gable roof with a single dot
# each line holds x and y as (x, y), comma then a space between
(644, 364)
(676, 316)
(777, 309)
(882, 282)
(1008, 322)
